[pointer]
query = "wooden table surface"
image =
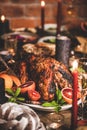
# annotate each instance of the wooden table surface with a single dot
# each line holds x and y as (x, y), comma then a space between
(67, 120)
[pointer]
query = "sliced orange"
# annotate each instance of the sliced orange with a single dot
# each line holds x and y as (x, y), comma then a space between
(7, 79)
(34, 95)
(30, 85)
(67, 94)
(16, 80)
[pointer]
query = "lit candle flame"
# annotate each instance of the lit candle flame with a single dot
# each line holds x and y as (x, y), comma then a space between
(2, 18)
(42, 3)
(75, 64)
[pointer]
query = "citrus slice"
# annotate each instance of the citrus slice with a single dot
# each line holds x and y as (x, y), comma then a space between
(15, 80)
(67, 94)
(33, 95)
(30, 85)
(8, 80)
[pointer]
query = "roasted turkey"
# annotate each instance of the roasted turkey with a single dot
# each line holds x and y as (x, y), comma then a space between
(48, 74)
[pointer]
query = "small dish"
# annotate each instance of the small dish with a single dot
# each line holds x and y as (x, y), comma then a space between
(21, 36)
(51, 28)
(18, 29)
(49, 41)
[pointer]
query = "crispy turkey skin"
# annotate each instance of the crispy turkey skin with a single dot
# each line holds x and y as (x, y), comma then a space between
(48, 74)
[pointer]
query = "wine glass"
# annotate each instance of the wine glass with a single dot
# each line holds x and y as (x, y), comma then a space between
(82, 82)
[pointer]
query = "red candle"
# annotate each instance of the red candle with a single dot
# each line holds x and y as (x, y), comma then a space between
(74, 102)
(42, 14)
(59, 16)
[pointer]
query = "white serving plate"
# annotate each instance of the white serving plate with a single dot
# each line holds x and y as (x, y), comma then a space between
(48, 44)
(48, 109)
(42, 108)
(52, 28)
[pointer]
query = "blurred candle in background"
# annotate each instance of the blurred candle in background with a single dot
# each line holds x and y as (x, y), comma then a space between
(4, 25)
(42, 14)
(2, 18)
(59, 16)
(75, 89)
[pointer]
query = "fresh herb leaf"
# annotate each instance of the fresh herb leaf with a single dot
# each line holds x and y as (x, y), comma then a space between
(17, 92)
(55, 103)
(58, 94)
(81, 70)
(15, 95)
(21, 99)
(57, 108)
(12, 99)
(47, 104)
(10, 91)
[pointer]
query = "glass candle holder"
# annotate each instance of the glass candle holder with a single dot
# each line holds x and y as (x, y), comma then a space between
(63, 48)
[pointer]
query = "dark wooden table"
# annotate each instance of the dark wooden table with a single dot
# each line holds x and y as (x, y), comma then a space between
(67, 120)
(66, 114)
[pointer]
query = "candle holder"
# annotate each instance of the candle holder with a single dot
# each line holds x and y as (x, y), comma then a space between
(63, 47)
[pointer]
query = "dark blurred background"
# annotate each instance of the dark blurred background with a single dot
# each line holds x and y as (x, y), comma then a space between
(26, 13)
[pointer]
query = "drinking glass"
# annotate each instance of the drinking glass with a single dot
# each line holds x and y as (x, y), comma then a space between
(11, 45)
(82, 81)
(56, 121)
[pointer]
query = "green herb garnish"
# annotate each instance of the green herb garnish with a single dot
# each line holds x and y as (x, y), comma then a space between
(14, 95)
(79, 69)
(57, 103)
(50, 40)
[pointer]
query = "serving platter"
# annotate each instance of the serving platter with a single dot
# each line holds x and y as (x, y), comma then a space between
(48, 39)
(20, 36)
(51, 28)
(39, 49)
(36, 106)
(23, 29)
(47, 109)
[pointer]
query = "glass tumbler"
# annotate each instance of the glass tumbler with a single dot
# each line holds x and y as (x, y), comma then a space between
(56, 120)
(11, 45)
